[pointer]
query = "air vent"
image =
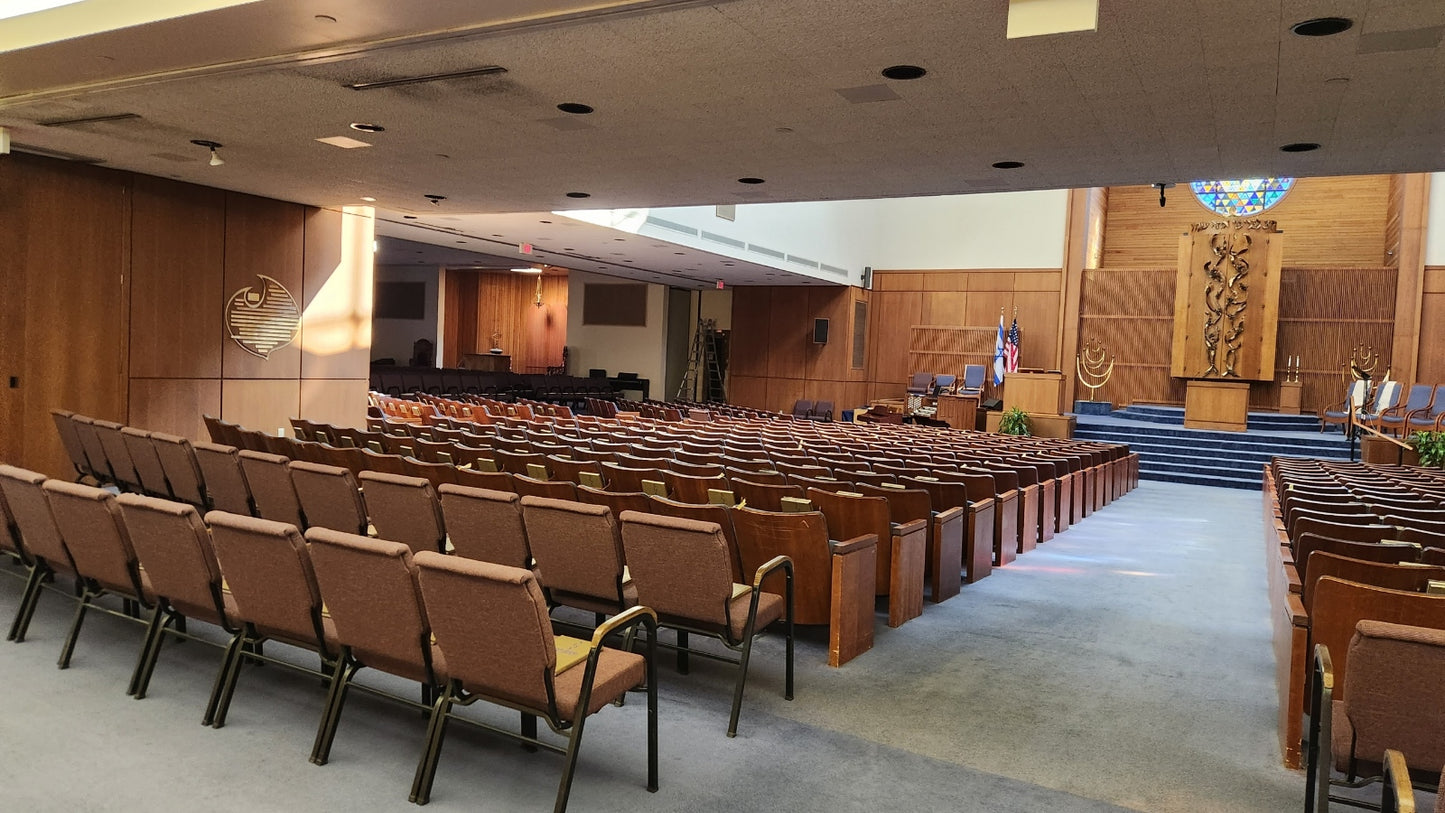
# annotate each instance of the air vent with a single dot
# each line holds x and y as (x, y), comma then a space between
(775, 254)
(793, 258)
(833, 269)
(671, 226)
(89, 120)
(727, 241)
(489, 70)
(63, 156)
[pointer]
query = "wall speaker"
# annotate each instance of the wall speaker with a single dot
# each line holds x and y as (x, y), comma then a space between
(820, 331)
(992, 403)
(867, 277)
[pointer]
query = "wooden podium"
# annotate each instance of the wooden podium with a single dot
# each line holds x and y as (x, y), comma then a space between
(1035, 393)
(1215, 404)
(958, 411)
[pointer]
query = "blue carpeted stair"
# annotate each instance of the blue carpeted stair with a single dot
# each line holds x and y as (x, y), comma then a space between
(1168, 451)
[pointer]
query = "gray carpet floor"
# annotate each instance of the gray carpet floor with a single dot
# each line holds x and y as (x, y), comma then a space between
(1125, 665)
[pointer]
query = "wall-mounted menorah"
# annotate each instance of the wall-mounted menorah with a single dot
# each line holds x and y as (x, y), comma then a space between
(1090, 365)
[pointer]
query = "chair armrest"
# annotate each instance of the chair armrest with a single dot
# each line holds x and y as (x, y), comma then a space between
(979, 505)
(626, 619)
(1011, 494)
(769, 566)
(1397, 795)
(948, 515)
(910, 527)
(1321, 709)
(857, 543)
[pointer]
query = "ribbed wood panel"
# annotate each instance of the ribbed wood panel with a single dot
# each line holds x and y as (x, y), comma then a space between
(1432, 326)
(481, 304)
(1326, 222)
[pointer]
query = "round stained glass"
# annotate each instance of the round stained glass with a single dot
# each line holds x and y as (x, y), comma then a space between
(1241, 198)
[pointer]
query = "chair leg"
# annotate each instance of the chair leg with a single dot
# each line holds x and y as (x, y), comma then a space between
(651, 711)
(331, 714)
(426, 770)
(529, 729)
(150, 642)
(150, 667)
(682, 665)
(738, 688)
(228, 688)
(69, 647)
(232, 652)
(574, 744)
(26, 609)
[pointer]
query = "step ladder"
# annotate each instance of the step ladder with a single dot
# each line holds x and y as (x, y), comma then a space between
(704, 367)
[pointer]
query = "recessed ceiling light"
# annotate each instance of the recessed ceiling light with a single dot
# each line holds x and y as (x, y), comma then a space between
(443, 155)
(368, 199)
(487, 70)
(579, 195)
(1300, 146)
(367, 128)
(680, 253)
(576, 108)
(408, 217)
(436, 200)
(461, 242)
(344, 142)
(325, 18)
(751, 180)
(1322, 26)
(1007, 164)
(903, 72)
(547, 222)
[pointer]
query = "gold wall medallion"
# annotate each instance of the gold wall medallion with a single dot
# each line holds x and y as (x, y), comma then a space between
(263, 318)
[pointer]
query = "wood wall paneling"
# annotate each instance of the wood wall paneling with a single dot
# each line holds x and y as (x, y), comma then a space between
(1432, 326)
(175, 405)
(1327, 221)
(890, 317)
(790, 333)
(337, 401)
(750, 340)
(13, 282)
(1413, 201)
(177, 259)
(336, 294)
(262, 237)
(261, 404)
(480, 305)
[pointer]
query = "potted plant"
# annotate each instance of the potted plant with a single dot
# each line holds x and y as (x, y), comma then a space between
(1430, 446)
(1014, 421)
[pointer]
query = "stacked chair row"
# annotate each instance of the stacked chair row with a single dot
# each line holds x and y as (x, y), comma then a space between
(1355, 552)
(1394, 409)
(465, 626)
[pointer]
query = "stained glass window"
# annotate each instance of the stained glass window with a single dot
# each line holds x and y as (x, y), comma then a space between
(1241, 198)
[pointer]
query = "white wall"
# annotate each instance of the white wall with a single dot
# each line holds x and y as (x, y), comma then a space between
(1435, 221)
(393, 338)
(641, 350)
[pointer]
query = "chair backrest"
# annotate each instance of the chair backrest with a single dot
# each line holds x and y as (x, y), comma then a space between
(329, 496)
(274, 494)
(372, 594)
(1388, 552)
(174, 547)
(972, 377)
(615, 501)
(94, 449)
(70, 439)
(553, 489)
(764, 496)
(944, 381)
(680, 566)
(1364, 531)
(1356, 394)
(1387, 396)
(494, 480)
(802, 408)
(1339, 605)
(1395, 682)
(268, 570)
(628, 478)
(691, 489)
(89, 522)
(486, 525)
(1420, 395)
(849, 516)
(919, 382)
(720, 515)
(492, 624)
(116, 452)
(577, 546)
(1409, 577)
(183, 472)
(226, 487)
(404, 509)
(30, 510)
(823, 409)
(147, 463)
(803, 536)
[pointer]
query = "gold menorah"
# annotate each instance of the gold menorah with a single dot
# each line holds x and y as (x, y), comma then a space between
(1362, 363)
(1090, 365)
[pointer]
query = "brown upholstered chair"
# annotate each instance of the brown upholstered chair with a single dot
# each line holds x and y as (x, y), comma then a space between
(820, 565)
(373, 598)
(552, 489)
(89, 521)
(329, 497)
(174, 547)
(1395, 677)
(272, 491)
(491, 622)
(683, 573)
(70, 439)
(225, 482)
(268, 571)
(404, 509)
(901, 550)
(182, 471)
(40, 539)
(147, 463)
(578, 550)
(89, 436)
(121, 465)
(486, 525)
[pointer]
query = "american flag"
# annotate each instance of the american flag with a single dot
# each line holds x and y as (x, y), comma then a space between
(1011, 348)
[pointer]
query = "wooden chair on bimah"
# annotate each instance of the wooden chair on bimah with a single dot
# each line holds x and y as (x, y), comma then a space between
(1379, 685)
(976, 519)
(833, 581)
(901, 550)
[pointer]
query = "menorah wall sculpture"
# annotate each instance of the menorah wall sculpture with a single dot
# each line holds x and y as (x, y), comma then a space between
(1091, 368)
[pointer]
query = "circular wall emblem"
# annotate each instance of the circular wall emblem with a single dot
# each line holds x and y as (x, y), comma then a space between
(263, 318)
(1245, 197)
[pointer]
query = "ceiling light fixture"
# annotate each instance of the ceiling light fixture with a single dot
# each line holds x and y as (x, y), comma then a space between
(367, 128)
(1322, 26)
(436, 200)
(408, 217)
(576, 108)
(751, 180)
(903, 72)
(344, 142)
(1008, 164)
(528, 270)
(368, 199)
(487, 70)
(579, 194)
(1300, 146)
(212, 146)
(1161, 186)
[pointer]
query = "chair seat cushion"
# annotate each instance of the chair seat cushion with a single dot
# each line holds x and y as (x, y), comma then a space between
(770, 609)
(617, 671)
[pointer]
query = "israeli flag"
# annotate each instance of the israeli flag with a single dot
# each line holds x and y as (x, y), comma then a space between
(998, 363)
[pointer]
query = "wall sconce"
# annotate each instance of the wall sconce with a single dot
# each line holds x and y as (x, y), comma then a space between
(537, 299)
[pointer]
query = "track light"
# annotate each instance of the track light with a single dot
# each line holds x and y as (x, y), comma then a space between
(216, 159)
(1161, 186)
